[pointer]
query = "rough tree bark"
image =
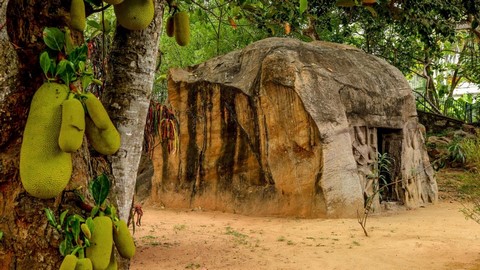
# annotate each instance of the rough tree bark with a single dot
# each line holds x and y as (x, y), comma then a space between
(28, 241)
(131, 71)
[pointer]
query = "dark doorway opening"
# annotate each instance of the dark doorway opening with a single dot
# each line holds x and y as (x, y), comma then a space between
(389, 142)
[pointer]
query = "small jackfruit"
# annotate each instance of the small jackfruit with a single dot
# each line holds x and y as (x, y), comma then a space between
(170, 27)
(113, 262)
(106, 142)
(69, 262)
(78, 20)
(101, 243)
(113, 2)
(86, 231)
(84, 264)
(45, 169)
(182, 28)
(123, 240)
(73, 125)
(134, 14)
(96, 111)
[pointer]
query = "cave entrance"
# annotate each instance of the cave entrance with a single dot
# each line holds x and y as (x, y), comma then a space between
(389, 143)
(378, 154)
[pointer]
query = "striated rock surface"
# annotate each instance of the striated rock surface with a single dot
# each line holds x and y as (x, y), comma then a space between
(284, 127)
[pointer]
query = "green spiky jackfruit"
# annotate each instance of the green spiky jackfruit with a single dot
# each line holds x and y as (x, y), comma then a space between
(101, 243)
(84, 264)
(73, 126)
(113, 2)
(69, 262)
(123, 240)
(78, 20)
(170, 27)
(106, 142)
(113, 262)
(96, 111)
(134, 14)
(182, 28)
(45, 169)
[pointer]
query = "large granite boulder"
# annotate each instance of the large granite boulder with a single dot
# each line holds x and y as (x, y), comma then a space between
(284, 127)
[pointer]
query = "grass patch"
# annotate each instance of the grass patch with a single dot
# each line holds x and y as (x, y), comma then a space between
(240, 238)
(179, 227)
(458, 184)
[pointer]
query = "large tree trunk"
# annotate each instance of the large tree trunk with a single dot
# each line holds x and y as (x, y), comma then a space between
(28, 241)
(131, 72)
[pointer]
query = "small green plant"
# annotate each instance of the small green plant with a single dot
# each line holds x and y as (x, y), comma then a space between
(471, 149)
(1, 235)
(379, 185)
(456, 152)
(240, 238)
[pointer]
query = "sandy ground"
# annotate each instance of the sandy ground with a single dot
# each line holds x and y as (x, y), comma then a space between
(435, 237)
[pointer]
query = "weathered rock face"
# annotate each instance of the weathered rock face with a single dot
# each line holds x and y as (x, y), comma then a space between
(291, 128)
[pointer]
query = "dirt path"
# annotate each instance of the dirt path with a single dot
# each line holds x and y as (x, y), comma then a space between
(435, 237)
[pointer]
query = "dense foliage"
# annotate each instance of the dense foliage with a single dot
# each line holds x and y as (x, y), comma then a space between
(435, 41)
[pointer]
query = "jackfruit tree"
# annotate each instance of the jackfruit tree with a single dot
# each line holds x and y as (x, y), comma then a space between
(51, 148)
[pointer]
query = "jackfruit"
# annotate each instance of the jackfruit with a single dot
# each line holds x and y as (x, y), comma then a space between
(96, 111)
(134, 14)
(73, 125)
(101, 243)
(78, 20)
(113, 2)
(170, 27)
(113, 262)
(106, 142)
(182, 28)
(69, 262)
(86, 231)
(45, 169)
(123, 240)
(84, 264)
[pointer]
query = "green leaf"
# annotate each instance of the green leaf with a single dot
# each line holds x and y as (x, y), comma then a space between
(87, 242)
(94, 24)
(50, 217)
(61, 67)
(95, 210)
(99, 189)
(63, 247)
(45, 63)
(303, 6)
(86, 81)
(1, 235)
(54, 38)
(81, 66)
(90, 224)
(78, 54)
(62, 216)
